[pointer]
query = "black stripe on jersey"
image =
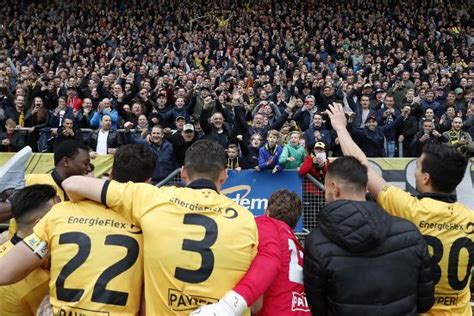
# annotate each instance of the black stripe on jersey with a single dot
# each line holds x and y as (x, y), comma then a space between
(15, 239)
(59, 181)
(103, 194)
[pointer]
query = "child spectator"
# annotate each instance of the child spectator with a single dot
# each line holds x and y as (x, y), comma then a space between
(293, 153)
(233, 159)
(11, 140)
(270, 153)
(250, 153)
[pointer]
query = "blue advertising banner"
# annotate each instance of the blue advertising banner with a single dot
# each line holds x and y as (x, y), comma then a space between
(252, 189)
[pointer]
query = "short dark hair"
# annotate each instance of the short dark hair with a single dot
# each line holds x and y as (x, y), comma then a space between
(350, 170)
(68, 148)
(30, 198)
(445, 165)
(205, 158)
(285, 206)
(133, 163)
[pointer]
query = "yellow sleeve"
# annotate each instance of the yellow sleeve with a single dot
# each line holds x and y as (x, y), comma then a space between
(128, 199)
(396, 201)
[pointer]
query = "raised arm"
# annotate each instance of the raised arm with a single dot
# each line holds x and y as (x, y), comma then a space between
(350, 148)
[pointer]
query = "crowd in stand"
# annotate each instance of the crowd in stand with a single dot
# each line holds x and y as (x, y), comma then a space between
(256, 76)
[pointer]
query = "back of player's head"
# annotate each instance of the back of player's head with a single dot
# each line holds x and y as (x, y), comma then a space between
(69, 149)
(445, 165)
(285, 206)
(133, 163)
(30, 199)
(205, 159)
(349, 171)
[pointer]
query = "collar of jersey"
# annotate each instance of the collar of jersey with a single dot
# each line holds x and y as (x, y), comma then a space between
(202, 184)
(447, 198)
(58, 180)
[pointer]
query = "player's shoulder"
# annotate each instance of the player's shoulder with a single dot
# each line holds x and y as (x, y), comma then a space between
(35, 178)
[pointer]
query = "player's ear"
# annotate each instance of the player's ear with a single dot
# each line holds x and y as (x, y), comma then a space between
(222, 177)
(184, 175)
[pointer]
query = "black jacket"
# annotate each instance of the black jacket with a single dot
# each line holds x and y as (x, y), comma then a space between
(363, 261)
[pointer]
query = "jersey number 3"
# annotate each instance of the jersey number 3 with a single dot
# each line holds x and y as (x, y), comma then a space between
(202, 247)
(100, 294)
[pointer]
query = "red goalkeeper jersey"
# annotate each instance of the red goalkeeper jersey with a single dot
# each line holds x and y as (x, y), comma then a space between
(276, 272)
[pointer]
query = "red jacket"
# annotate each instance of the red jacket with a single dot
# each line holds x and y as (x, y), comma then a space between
(316, 171)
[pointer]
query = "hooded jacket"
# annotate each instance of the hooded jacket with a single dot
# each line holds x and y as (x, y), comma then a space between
(363, 261)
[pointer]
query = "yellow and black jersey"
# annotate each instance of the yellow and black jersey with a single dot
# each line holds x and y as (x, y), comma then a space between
(197, 243)
(448, 228)
(24, 297)
(96, 259)
(53, 179)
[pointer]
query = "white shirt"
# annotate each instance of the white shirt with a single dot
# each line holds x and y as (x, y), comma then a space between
(102, 142)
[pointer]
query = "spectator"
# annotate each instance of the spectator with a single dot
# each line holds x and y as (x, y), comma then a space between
(163, 150)
(293, 153)
(269, 154)
(17, 112)
(233, 158)
(359, 243)
(407, 130)
(11, 140)
(251, 152)
(67, 132)
(315, 164)
(181, 141)
(36, 119)
(105, 108)
(317, 132)
(458, 138)
(428, 135)
(371, 138)
(104, 140)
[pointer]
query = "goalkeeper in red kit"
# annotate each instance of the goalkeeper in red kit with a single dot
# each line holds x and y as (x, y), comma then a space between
(273, 284)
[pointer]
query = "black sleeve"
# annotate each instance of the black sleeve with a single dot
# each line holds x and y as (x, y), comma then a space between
(315, 282)
(425, 292)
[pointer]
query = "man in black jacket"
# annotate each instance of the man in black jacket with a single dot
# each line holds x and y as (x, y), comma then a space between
(363, 261)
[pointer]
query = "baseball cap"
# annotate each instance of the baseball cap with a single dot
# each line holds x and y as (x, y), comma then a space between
(319, 145)
(371, 117)
(188, 127)
(379, 90)
(367, 85)
(180, 117)
(458, 91)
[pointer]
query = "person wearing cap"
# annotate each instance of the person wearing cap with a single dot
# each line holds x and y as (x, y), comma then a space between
(315, 164)
(180, 109)
(460, 103)
(371, 137)
(182, 140)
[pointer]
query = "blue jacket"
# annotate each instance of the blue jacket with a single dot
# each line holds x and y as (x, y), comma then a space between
(371, 142)
(166, 162)
(264, 157)
(97, 117)
(310, 140)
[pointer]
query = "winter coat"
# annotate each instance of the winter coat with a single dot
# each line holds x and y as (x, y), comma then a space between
(363, 261)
